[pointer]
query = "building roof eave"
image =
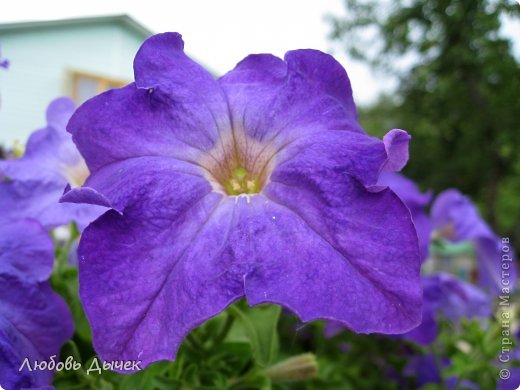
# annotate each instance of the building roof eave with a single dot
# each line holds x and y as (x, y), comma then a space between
(123, 19)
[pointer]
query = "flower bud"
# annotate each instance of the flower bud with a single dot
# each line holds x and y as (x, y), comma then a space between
(296, 368)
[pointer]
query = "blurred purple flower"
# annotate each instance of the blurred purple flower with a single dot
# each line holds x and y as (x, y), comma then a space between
(34, 321)
(3, 62)
(451, 298)
(443, 296)
(258, 184)
(511, 362)
(511, 383)
(457, 219)
(72, 256)
(50, 163)
(425, 369)
(416, 202)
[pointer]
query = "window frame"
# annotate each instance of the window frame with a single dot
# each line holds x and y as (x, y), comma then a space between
(103, 82)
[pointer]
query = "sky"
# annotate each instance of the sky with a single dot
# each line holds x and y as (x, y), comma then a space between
(221, 33)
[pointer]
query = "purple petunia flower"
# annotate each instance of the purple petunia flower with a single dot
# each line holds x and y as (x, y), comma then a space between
(449, 297)
(416, 202)
(260, 184)
(38, 179)
(457, 219)
(34, 321)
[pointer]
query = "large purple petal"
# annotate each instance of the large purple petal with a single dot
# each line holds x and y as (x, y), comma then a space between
(423, 227)
(162, 66)
(337, 153)
(34, 324)
(416, 202)
(158, 281)
(164, 270)
(396, 145)
(136, 179)
(405, 189)
(175, 108)
(325, 73)
(26, 250)
(347, 270)
(274, 101)
(365, 236)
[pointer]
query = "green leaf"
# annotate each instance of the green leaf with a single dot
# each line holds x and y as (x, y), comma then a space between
(144, 379)
(260, 327)
(66, 284)
(162, 383)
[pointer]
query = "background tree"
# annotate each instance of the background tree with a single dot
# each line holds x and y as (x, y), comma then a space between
(458, 95)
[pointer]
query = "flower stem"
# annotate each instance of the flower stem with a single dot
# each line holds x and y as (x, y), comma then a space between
(194, 342)
(230, 319)
(438, 363)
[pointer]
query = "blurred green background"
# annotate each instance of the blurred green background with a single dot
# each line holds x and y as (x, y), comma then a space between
(458, 94)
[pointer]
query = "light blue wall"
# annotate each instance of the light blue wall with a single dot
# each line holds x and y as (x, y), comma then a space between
(40, 61)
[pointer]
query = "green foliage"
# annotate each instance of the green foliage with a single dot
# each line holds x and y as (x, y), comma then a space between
(459, 93)
(472, 351)
(260, 326)
(64, 280)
